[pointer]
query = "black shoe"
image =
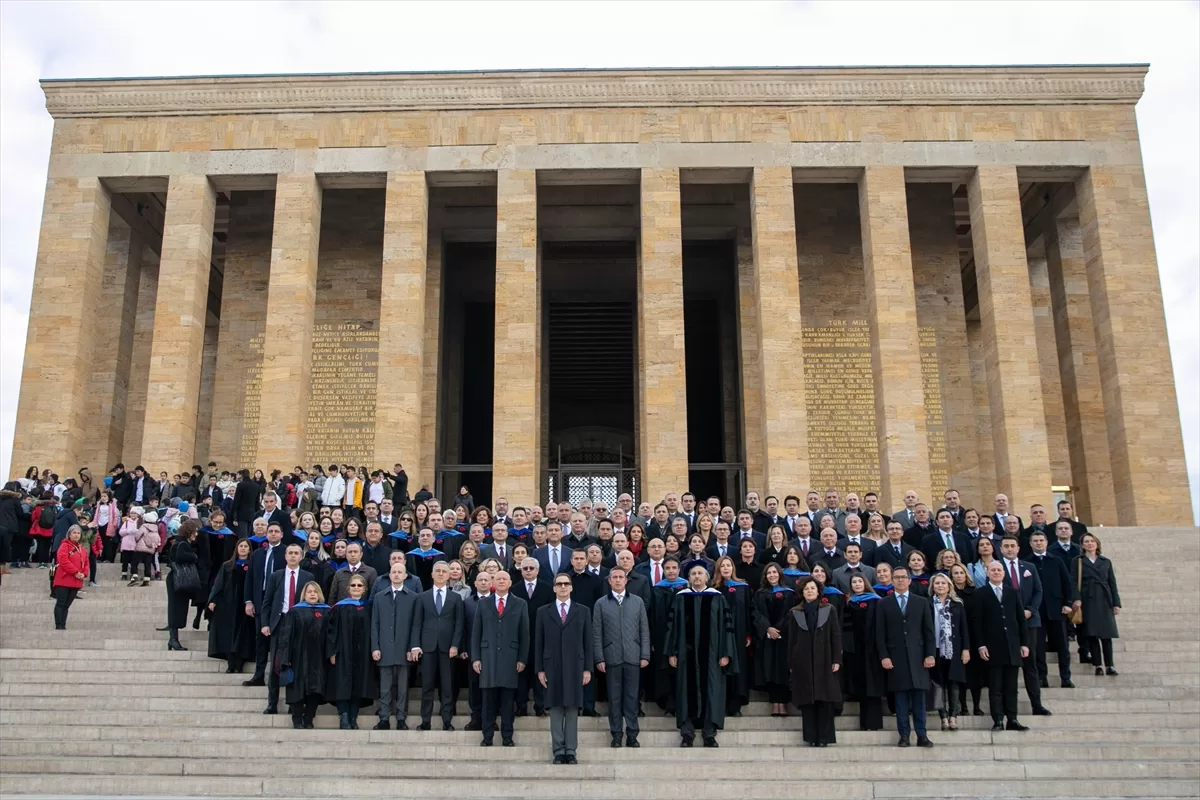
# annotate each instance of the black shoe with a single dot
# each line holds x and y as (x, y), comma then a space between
(641, 711)
(173, 644)
(447, 726)
(270, 710)
(924, 741)
(308, 724)
(686, 741)
(382, 725)
(539, 712)
(297, 723)
(424, 726)
(256, 680)
(560, 759)
(163, 628)
(1044, 683)
(1111, 671)
(572, 760)
(230, 671)
(631, 741)
(589, 712)
(1066, 684)
(903, 742)
(473, 725)
(710, 741)
(401, 725)
(977, 712)
(1042, 711)
(1085, 658)
(1099, 670)
(812, 744)
(616, 741)
(508, 743)
(1013, 725)
(997, 726)
(486, 743)
(736, 714)
(344, 722)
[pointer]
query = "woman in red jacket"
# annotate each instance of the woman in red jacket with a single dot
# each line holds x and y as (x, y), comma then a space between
(71, 568)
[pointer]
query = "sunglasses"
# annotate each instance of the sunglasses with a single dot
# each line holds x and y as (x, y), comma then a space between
(560, 585)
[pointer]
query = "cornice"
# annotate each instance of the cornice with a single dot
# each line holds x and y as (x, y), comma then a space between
(273, 94)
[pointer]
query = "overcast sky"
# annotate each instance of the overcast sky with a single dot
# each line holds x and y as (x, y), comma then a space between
(66, 40)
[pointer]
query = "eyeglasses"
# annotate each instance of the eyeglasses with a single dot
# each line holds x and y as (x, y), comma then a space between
(527, 569)
(561, 585)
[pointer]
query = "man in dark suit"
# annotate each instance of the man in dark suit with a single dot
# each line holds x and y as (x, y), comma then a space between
(853, 566)
(245, 504)
(1002, 514)
(946, 537)
(828, 554)
(284, 587)
(554, 556)
(1066, 514)
(998, 630)
(721, 545)
(1023, 577)
(536, 593)
(636, 583)
(895, 551)
(1058, 594)
(213, 491)
(263, 562)
(922, 526)
(1063, 547)
(500, 548)
(954, 506)
(906, 642)
(746, 530)
(907, 515)
(871, 506)
(854, 536)
(274, 515)
(587, 586)
(563, 662)
(439, 631)
(499, 640)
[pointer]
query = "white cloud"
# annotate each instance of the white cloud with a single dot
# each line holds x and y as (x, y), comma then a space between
(96, 40)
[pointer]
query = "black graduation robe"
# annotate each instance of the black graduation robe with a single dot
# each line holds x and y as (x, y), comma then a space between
(771, 608)
(321, 569)
(230, 631)
(737, 689)
(662, 598)
(699, 635)
(348, 637)
(864, 674)
(300, 644)
(420, 563)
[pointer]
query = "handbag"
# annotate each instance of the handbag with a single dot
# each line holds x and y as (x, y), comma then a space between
(1076, 617)
(186, 578)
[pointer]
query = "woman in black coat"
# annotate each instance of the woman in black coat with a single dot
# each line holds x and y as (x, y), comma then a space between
(964, 587)
(350, 677)
(814, 637)
(1099, 599)
(953, 650)
(773, 551)
(746, 564)
(300, 653)
(231, 633)
(863, 675)
(737, 597)
(183, 551)
(772, 604)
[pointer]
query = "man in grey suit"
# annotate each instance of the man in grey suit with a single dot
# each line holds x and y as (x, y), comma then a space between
(562, 657)
(907, 516)
(621, 648)
(393, 637)
(853, 566)
(340, 588)
(499, 640)
(439, 632)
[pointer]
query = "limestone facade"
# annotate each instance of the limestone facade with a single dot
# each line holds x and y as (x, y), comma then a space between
(894, 357)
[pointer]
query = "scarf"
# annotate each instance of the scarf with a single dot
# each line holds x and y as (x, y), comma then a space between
(945, 628)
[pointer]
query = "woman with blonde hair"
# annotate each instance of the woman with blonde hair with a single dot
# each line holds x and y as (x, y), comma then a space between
(945, 560)
(951, 642)
(300, 652)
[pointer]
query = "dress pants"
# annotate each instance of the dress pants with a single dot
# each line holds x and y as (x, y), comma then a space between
(1053, 634)
(272, 678)
(474, 695)
(622, 681)
(393, 703)
(503, 701)
(708, 729)
(262, 652)
(1002, 692)
(911, 702)
(527, 681)
(436, 675)
(564, 730)
(1029, 666)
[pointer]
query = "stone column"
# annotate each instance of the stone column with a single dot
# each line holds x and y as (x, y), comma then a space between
(1052, 395)
(784, 428)
(662, 406)
(516, 400)
(1010, 343)
(430, 392)
(751, 385)
(1144, 438)
(895, 344)
(139, 366)
(402, 321)
(1083, 398)
(287, 337)
(52, 426)
(173, 386)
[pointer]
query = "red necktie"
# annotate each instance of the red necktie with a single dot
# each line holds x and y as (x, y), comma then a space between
(1012, 574)
(563, 611)
(499, 606)
(291, 598)
(657, 574)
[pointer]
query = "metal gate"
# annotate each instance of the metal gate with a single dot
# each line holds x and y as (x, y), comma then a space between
(592, 476)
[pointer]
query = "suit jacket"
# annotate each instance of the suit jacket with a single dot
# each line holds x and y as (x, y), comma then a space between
(499, 642)
(1000, 524)
(831, 562)
(489, 551)
(437, 633)
(260, 568)
(340, 588)
(587, 588)
(393, 632)
(998, 625)
(1067, 556)
(542, 554)
(933, 544)
(278, 517)
(1058, 589)
(760, 540)
(713, 553)
(915, 534)
(839, 519)
(841, 576)
(215, 493)
(245, 501)
(639, 584)
(907, 638)
(905, 517)
(886, 554)
(867, 546)
(620, 631)
(958, 516)
(271, 611)
(813, 546)
(1031, 590)
(543, 593)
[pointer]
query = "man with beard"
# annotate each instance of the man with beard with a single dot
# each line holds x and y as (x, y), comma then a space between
(700, 646)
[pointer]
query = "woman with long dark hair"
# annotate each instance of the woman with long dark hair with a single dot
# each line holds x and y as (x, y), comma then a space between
(738, 598)
(772, 603)
(230, 631)
(814, 641)
(183, 552)
(864, 677)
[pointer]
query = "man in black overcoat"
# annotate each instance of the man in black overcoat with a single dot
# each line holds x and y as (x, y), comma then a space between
(998, 631)
(562, 659)
(1058, 593)
(499, 642)
(905, 639)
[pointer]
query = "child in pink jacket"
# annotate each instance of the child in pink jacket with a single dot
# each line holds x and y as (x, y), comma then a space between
(128, 534)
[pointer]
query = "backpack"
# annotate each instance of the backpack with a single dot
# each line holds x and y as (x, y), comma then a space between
(47, 517)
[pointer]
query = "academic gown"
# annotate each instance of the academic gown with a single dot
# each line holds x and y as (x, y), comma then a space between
(812, 652)
(791, 578)
(737, 597)
(699, 635)
(230, 631)
(771, 608)
(220, 547)
(750, 573)
(662, 598)
(420, 563)
(300, 644)
(348, 636)
(864, 673)
(322, 570)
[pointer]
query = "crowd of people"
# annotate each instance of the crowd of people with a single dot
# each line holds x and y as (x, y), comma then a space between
(340, 589)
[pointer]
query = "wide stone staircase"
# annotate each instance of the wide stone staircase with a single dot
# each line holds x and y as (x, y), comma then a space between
(104, 709)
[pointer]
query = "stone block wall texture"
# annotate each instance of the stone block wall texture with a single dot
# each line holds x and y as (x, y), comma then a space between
(938, 283)
(237, 390)
(1083, 397)
(398, 408)
(983, 412)
(780, 362)
(202, 446)
(1144, 438)
(173, 387)
(291, 301)
(424, 464)
(662, 406)
(112, 347)
(139, 360)
(52, 409)
(1047, 349)
(516, 399)
(751, 384)
(1010, 340)
(895, 345)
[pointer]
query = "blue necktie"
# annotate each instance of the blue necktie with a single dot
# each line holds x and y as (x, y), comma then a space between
(904, 605)
(437, 601)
